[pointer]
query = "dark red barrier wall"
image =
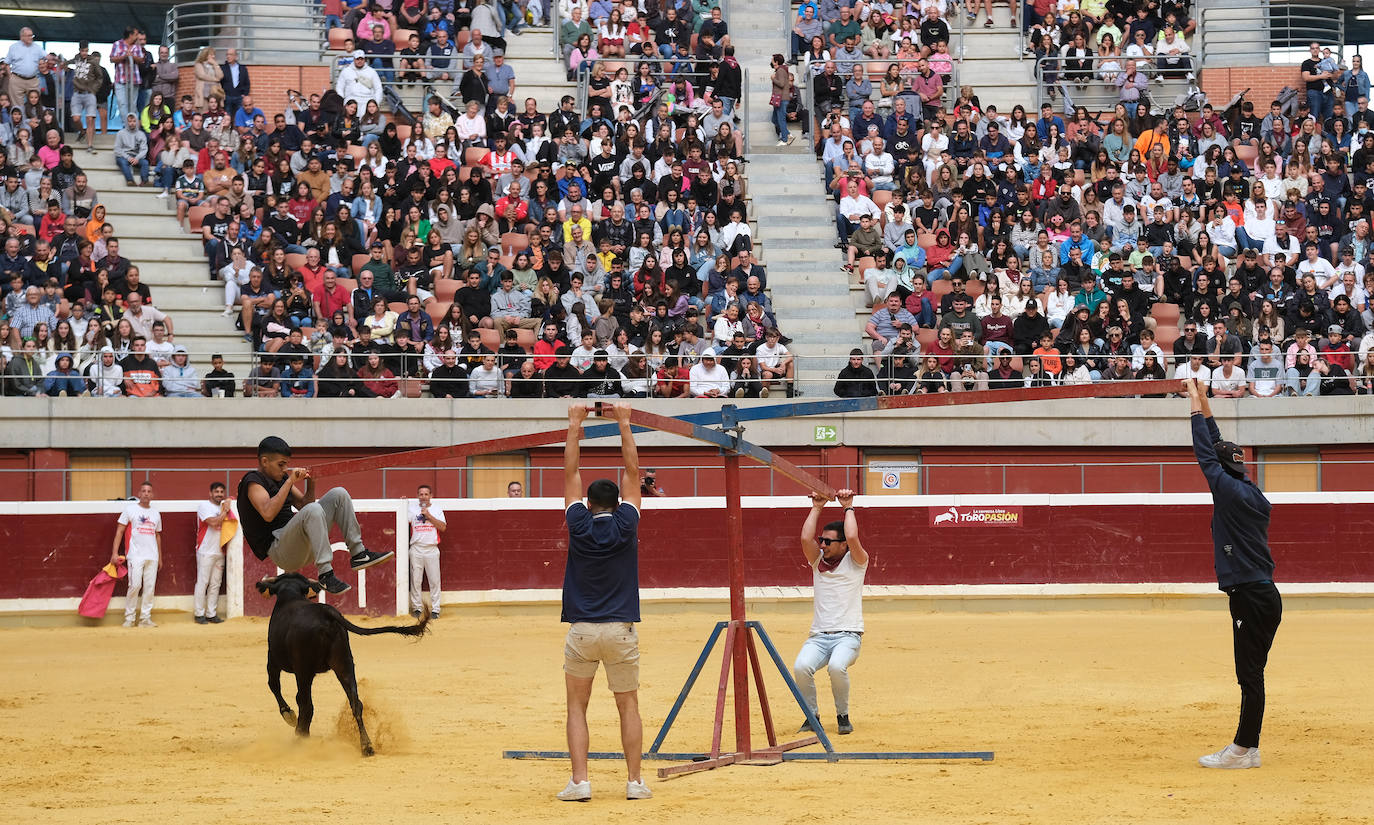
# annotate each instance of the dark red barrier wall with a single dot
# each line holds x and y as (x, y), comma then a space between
(54, 556)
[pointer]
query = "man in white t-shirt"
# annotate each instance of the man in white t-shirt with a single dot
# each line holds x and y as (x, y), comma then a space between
(210, 517)
(139, 535)
(838, 564)
(1194, 368)
(775, 361)
(426, 523)
(1316, 266)
(1229, 380)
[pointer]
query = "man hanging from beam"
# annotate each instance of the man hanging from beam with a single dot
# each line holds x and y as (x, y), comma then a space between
(601, 601)
(838, 564)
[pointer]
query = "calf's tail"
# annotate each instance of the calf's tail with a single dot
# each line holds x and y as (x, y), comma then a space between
(420, 628)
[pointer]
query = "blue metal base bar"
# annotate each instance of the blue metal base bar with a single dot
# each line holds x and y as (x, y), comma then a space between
(687, 687)
(790, 756)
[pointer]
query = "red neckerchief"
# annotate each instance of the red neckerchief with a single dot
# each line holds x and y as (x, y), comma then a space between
(828, 566)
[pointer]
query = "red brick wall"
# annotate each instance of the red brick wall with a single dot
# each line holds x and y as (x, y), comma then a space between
(270, 84)
(1264, 83)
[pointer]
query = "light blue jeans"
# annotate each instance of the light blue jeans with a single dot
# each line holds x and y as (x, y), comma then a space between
(836, 651)
(1298, 385)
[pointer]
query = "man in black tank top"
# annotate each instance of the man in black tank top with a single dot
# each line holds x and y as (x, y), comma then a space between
(291, 528)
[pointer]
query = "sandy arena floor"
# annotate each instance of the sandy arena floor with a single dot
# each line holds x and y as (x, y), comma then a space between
(1096, 717)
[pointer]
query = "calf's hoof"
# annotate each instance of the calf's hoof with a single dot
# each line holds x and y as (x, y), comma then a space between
(289, 716)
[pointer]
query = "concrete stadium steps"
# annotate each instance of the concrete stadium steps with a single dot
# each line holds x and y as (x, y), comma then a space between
(809, 289)
(170, 262)
(538, 73)
(992, 63)
(792, 215)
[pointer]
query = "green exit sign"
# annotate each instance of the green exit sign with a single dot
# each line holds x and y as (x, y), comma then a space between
(825, 434)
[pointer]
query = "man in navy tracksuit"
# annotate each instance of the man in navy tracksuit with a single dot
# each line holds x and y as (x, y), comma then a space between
(1245, 572)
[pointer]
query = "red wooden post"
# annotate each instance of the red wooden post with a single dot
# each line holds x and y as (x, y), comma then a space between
(734, 532)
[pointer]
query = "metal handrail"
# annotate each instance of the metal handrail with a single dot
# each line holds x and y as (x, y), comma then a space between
(188, 27)
(1098, 94)
(1228, 39)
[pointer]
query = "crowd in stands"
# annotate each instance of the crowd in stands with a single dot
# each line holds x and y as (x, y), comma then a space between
(78, 318)
(490, 251)
(485, 250)
(475, 250)
(1009, 249)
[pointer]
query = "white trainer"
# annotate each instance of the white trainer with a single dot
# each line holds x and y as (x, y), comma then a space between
(638, 790)
(147, 623)
(162, 195)
(128, 623)
(576, 791)
(1232, 757)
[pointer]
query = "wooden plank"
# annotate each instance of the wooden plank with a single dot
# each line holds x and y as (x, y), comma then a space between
(697, 425)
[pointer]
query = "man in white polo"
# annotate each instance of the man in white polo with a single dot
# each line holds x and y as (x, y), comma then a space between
(426, 523)
(838, 564)
(139, 535)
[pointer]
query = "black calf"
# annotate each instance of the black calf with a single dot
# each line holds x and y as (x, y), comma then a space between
(305, 637)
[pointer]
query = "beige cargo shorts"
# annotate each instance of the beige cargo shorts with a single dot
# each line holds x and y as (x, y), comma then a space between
(614, 644)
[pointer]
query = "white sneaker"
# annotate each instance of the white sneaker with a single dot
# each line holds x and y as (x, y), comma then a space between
(147, 623)
(638, 790)
(576, 791)
(128, 623)
(162, 194)
(782, 143)
(1232, 757)
(227, 312)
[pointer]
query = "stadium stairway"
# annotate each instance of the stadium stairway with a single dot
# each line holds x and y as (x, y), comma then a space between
(791, 214)
(993, 66)
(1002, 77)
(538, 73)
(170, 262)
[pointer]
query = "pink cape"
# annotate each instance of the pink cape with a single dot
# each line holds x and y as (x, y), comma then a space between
(97, 597)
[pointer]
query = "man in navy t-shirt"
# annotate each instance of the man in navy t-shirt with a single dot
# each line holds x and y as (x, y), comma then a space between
(1245, 572)
(601, 602)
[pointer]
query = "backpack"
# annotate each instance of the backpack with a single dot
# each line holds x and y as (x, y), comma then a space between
(1288, 98)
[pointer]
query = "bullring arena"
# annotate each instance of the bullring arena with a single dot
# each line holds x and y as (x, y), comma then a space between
(1078, 636)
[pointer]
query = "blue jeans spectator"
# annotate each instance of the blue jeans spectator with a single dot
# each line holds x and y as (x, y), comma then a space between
(1228, 251)
(1297, 384)
(165, 175)
(1244, 241)
(1319, 104)
(844, 225)
(728, 104)
(780, 121)
(128, 170)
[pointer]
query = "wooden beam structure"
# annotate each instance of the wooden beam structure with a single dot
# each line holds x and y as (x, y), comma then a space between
(723, 428)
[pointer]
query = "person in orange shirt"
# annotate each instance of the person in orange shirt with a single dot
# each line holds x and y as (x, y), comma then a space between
(1048, 355)
(1157, 135)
